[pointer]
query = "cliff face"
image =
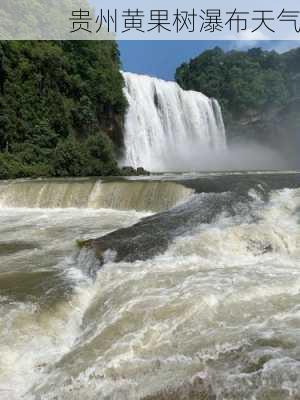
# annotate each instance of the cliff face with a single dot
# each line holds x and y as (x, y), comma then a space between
(258, 91)
(278, 128)
(60, 101)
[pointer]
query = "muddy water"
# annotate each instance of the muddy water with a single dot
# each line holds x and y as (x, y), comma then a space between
(215, 315)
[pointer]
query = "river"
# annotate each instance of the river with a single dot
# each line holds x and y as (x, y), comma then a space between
(208, 308)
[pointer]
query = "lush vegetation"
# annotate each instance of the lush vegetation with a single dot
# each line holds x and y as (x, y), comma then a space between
(247, 84)
(61, 108)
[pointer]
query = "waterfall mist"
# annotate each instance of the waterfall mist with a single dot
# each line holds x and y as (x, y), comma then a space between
(250, 156)
(170, 129)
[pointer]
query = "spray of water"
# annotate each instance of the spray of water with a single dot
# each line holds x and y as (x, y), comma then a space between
(169, 129)
(165, 124)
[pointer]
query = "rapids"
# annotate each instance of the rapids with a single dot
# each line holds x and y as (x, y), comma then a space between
(212, 314)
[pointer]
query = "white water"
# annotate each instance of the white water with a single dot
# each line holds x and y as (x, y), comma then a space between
(214, 307)
(43, 291)
(95, 194)
(165, 125)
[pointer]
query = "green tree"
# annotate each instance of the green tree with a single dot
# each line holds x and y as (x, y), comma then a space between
(55, 98)
(245, 83)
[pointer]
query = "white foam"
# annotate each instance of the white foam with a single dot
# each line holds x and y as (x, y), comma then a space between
(220, 303)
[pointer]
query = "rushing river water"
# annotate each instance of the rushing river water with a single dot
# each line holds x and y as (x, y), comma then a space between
(210, 309)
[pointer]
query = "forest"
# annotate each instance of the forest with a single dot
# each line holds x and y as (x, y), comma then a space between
(244, 82)
(258, 91)
(61, 108)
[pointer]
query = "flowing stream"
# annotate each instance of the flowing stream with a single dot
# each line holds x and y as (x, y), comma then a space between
(209, 309)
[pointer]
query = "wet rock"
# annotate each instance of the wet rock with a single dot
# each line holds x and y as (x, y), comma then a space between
(130, 171)
(196, 389)
(152, 235)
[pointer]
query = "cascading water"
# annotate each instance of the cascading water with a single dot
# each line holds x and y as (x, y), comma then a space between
(167, 127)
(93, 194)
(197, 302)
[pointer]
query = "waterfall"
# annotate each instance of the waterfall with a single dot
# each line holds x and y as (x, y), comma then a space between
(169, 129)
(88, 193)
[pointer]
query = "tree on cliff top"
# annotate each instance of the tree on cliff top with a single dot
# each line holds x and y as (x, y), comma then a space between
(245, 83)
